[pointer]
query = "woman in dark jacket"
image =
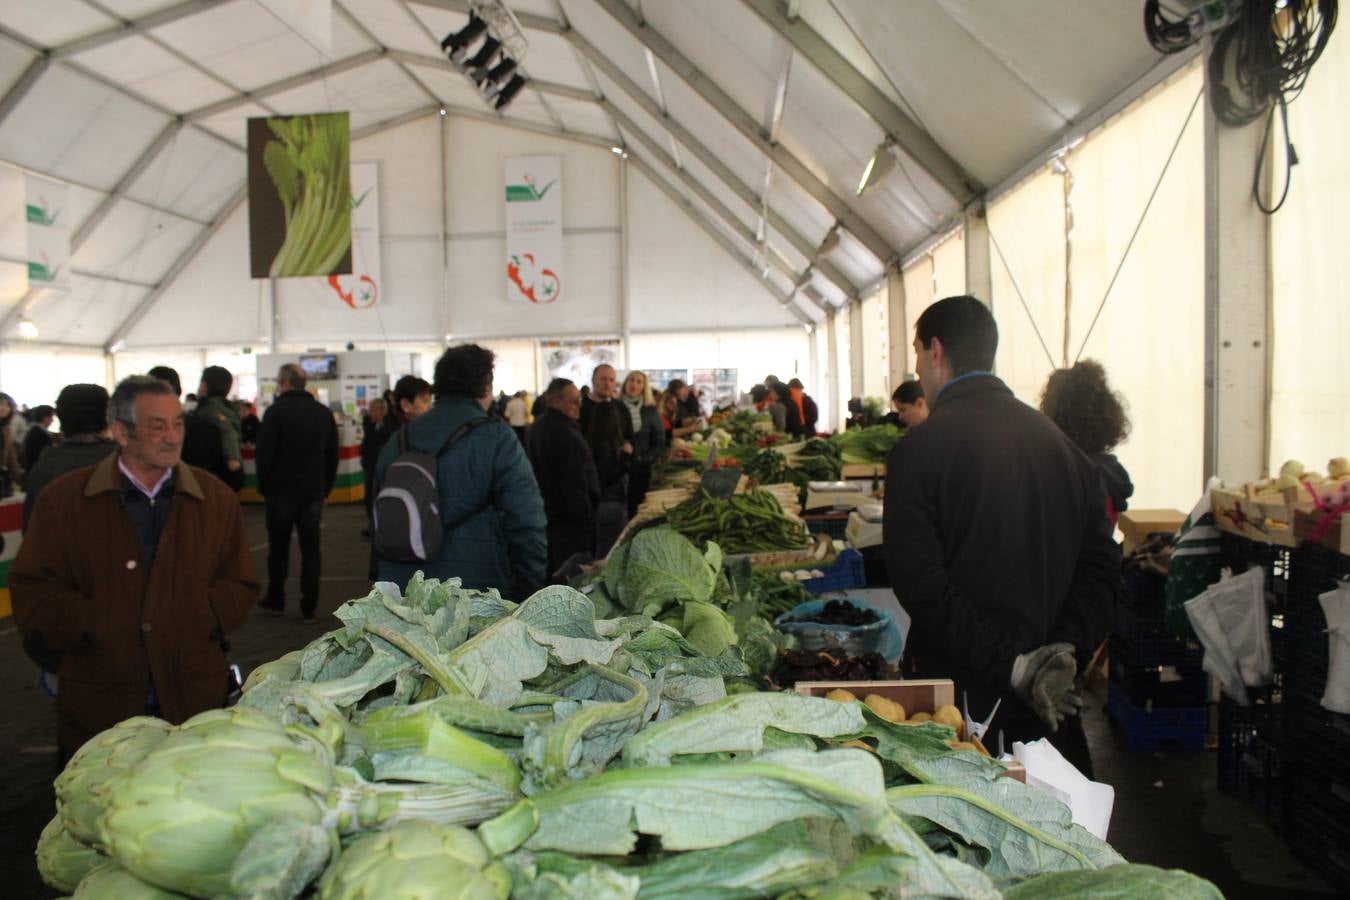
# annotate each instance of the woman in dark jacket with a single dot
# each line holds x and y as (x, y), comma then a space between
(1082, 404)
(649, 435)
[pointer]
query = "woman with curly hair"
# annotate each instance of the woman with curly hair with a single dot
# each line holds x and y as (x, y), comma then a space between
(1082, 404)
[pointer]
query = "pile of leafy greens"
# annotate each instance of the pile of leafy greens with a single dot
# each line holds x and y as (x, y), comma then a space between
(867, 446)
(533, 750)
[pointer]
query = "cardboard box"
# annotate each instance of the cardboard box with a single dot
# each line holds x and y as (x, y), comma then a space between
(1137, 524)
(863, 470)
(919, 695)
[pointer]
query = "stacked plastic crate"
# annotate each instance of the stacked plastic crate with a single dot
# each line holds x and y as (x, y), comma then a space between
(1254, 749)
(1157, 690)
(1319, 739)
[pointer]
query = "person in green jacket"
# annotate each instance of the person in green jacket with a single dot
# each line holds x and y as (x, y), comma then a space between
(487, 487)
(213, 407)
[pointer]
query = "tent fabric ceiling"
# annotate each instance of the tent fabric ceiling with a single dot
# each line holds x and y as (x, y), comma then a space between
(990, 83)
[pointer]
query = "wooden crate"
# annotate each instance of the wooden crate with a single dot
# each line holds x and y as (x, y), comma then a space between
(863, 470)
(1334, 536)
(1266, 517)
(919, 695)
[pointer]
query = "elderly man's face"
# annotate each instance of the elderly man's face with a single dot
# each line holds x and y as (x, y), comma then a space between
(603, 382)
(157, 440)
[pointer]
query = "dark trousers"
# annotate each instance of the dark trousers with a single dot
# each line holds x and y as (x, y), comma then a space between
(300, 513)
(564, 541)
(639, 479)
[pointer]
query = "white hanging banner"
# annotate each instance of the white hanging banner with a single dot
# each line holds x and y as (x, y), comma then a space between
(534, 239)
(47, 212)
(361, 289)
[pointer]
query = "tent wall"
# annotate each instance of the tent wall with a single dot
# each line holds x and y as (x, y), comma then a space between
(1049, 282)
(1310, 408)
(784, 352)
(35, 374)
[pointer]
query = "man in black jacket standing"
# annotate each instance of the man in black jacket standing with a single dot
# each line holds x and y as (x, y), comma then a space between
(297, 462)
(996, 540)
(202, 443)
(565, 469)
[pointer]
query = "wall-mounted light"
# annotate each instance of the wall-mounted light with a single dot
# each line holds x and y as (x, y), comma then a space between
(28, 329)
(881, 163)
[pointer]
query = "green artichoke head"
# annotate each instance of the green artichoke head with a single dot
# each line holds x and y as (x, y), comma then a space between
(112, 882)
(83, 784)
(414, 860)
(63, 861)
(181, 816)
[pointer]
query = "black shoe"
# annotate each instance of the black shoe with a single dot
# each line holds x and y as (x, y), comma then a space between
(272, 609)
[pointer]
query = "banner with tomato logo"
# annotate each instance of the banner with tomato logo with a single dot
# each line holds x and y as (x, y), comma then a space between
(534, 239)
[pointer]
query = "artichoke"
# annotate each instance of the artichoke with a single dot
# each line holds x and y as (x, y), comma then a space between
(111, 882)
(82, 785)
(179, 819)
(63, 861)
(416, 860)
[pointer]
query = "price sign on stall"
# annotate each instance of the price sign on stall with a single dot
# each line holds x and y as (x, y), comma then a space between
(721, 483)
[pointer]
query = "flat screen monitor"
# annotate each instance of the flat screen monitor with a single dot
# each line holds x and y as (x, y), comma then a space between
(320, 366)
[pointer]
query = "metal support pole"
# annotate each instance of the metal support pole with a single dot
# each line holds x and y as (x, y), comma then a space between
(855, 349)
(837, 410)
(1237, 311)
(273, 315)
(979, 274)
(897, 326)
(442, 178)
(625, 300)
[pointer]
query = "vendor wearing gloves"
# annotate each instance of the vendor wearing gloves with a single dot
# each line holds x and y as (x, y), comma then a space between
(997, 541)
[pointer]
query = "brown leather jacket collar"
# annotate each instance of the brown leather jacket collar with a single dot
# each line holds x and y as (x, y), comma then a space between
(105, 479)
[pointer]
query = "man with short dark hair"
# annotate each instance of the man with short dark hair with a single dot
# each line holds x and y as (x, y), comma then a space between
(83, 411)
(565, 469)
(133, 570)
(413, 397)
(996, 539)
(495, 533)
(297, 464)
(213, 407)
(605, 389)
(203, 441)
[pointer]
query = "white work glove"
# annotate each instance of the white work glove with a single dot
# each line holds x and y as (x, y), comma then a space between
(1044, 679)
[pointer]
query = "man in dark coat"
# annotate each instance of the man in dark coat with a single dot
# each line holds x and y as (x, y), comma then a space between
(297, 464)
(38, 439)
(996, 540)
(604, 389)
(565, 469)
(83, 411)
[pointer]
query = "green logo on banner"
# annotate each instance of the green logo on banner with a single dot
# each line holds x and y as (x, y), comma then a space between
(39, 272)
(38, 215)
(526, 193)
(357, 201)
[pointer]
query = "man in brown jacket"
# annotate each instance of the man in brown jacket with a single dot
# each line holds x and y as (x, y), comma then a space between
(133, 570)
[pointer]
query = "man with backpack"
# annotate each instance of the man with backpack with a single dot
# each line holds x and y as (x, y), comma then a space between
(484, 521)
(297, 463)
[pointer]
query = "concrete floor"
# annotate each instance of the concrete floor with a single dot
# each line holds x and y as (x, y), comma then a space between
(1168, 811)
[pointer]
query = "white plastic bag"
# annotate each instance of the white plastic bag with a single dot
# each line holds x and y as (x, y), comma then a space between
(1232, 622)
(1336, 605)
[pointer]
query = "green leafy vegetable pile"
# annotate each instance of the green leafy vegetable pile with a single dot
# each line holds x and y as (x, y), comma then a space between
(447, 742)
(310, 165)
(867, 446)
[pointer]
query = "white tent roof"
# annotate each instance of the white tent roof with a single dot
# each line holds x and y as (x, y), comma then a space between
(752, 110)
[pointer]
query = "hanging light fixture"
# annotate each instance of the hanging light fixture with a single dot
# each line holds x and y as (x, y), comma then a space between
(508, 93)
(483, 58)
(27, 328)
(457, 44)
(498, 74)
(881, 163)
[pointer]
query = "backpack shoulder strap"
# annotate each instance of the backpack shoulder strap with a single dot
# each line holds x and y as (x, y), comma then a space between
(460, 432)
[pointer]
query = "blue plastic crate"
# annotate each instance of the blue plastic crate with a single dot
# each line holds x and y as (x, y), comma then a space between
(831, 524)
(1178, 729)
(845, 573)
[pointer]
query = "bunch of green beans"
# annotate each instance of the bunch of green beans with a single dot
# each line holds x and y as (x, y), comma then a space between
(752, 522)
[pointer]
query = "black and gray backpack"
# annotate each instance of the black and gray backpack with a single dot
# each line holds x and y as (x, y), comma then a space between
(408, 525)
